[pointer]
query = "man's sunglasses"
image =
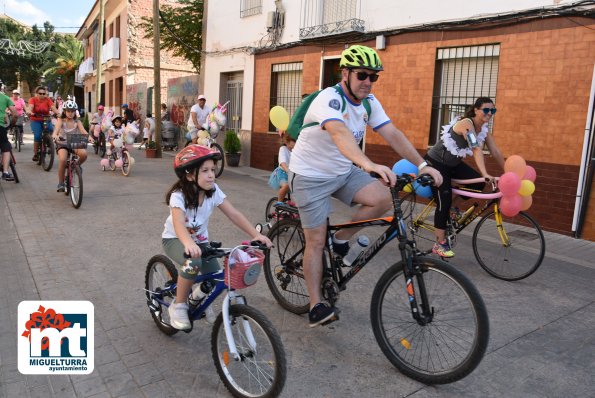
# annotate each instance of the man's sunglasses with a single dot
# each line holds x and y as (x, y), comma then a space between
(489, 110)
(362, 76)
(41, 93)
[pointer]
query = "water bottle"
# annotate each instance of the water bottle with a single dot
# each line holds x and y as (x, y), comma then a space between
(361, 244)
(197, 294)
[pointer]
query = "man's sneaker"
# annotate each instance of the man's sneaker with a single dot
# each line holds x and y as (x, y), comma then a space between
(7, 177)
(61, 188)
(178, 316)
(321, 314)
(443, 249)
(340, 249)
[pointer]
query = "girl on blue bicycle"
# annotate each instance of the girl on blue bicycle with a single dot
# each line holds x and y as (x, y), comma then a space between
(191, 201)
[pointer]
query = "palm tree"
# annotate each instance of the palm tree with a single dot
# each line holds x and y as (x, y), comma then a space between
(67, 55)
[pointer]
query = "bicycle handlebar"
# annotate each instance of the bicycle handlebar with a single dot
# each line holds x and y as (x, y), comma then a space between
(214, 249)
(404, 179)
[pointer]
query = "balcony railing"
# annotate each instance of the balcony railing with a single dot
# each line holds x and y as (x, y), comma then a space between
(86, 68)
(110, 50)
(330, 17)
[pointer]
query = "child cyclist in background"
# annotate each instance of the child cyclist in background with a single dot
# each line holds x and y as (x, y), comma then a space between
(278, 179)
(68, 123)
(115, 132)
(191, 201)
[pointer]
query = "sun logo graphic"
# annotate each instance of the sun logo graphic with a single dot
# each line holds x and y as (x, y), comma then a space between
(56, 337)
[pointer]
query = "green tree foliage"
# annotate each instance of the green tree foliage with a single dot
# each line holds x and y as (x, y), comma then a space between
(180, 30)
(62, 62)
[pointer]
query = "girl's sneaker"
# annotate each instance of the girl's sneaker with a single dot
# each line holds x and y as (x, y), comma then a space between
(443, 249)
(178, 316)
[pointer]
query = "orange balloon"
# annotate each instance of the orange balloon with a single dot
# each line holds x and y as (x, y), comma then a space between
(515, 164)
(527, 202)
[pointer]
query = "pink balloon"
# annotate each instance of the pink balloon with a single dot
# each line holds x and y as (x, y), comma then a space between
(119, 163)
(104, 163)
(527, 202)
(516, 164)
(511, 205)
(509, 184)
(530, 174)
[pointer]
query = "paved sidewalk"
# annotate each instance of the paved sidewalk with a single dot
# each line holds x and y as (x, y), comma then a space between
(541, 342)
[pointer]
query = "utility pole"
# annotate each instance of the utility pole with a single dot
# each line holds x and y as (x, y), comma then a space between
(99, 45)
(157, 77)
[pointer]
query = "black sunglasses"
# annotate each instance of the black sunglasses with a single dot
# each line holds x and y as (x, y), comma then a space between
(362, 76)
(489, 110)
(41, 93)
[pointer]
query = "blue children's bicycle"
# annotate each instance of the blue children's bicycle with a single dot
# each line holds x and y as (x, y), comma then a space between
(246, 348)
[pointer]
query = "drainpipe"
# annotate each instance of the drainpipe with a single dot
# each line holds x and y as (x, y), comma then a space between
(99, 48)
(585, 160)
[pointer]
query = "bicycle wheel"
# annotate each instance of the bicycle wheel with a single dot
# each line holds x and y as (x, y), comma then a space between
(96, 146)
(16, 138)
(112, 161)
(270, 212)
(283, 266)
(261, 369)
(511, 251)
(126, 164)
(75, 186)
(451, 343)
(102, 145)
(13, 168)
(47, 152)
(220, 164)
(161, 273)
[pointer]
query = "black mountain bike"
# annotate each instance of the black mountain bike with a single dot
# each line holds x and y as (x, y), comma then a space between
(427, 317)
(46, 148)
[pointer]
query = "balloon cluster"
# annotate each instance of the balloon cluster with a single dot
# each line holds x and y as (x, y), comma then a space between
(516, 185)
(203, 138)
(404, 166)
(279, 117)
(216, 119)
(130, 132)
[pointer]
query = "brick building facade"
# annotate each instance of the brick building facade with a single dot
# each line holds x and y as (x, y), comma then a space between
(543, 83)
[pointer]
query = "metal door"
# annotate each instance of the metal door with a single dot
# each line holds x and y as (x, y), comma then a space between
(234, 108)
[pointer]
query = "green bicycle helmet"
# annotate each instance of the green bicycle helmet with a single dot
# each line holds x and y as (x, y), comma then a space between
(358, 56)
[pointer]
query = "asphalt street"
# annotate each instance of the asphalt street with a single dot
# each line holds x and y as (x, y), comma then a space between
(542, 328)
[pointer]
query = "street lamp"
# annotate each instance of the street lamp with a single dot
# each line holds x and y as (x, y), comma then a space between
(58, 82)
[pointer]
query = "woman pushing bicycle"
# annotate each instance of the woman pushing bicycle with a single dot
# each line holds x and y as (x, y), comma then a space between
(463, 137)
(67, 124)
(192, 200)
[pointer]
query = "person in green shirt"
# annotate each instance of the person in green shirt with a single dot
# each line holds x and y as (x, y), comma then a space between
(5, 102)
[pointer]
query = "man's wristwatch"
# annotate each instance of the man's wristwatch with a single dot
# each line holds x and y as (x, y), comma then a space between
(422, 165)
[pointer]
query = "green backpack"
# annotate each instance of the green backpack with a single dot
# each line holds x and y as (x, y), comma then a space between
(296, 124)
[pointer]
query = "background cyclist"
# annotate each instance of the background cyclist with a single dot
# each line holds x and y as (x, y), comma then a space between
(5, 102)
(321, 164)
(40, 106)
(19, 105)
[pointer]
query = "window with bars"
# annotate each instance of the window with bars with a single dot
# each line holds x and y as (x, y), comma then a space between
(286, 87)
(250, 7)
(462, 75)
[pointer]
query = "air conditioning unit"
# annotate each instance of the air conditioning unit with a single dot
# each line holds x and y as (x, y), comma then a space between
(271, 20)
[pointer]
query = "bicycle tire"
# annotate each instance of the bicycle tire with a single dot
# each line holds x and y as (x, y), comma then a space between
(221, 163)
(403, 340)
(269, 212)
(161, 271)
(126, 165)
(102, 145)
(47, 152)
(96, 146)
(496, 258)
(16, 138)
(75, 186)
(13, 169)
(112, 161)
(262, 369)
(283, 266)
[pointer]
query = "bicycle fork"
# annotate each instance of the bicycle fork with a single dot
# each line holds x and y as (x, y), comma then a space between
(410, 272)
(232, 295)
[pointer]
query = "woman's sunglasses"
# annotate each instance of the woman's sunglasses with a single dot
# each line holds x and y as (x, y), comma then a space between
(489, 110)
(361, 76)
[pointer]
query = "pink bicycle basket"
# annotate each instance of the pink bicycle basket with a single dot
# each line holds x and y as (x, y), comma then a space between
(242, 267)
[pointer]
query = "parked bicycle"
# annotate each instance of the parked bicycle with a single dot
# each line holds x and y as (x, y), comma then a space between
(73, 175)
(508, 248)
(207, 139)
(428, 318)
(46, 148)
(119, 157)
(246, 348)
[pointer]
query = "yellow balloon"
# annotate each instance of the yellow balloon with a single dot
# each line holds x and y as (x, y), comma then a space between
(408, 188)
(527, 188)
(279, 117)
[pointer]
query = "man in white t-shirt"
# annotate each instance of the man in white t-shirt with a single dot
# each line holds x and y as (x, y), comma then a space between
(198, 116)
(322, 165)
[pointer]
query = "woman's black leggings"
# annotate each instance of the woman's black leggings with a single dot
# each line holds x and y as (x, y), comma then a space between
(443, 196)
